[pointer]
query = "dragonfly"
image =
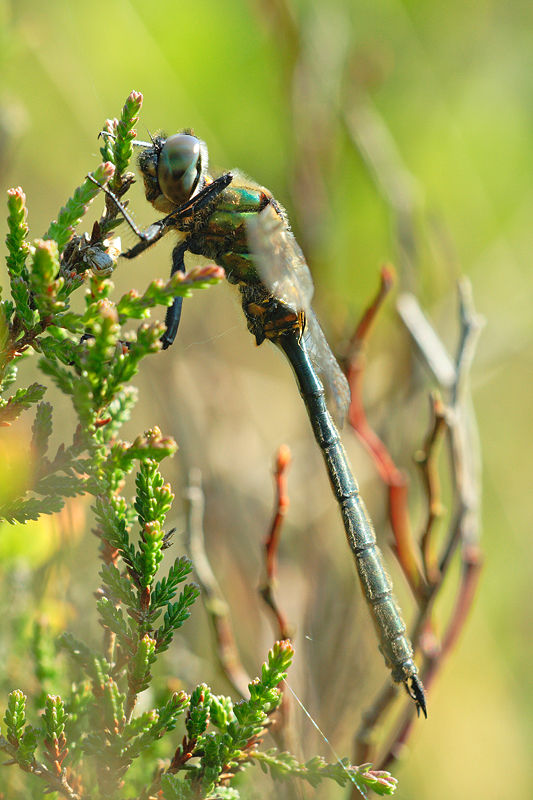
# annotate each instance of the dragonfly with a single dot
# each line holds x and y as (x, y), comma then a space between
(239, 225)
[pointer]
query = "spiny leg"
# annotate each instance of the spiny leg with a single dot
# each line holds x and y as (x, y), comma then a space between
(188, 209)
(172, 319)
(159, 228)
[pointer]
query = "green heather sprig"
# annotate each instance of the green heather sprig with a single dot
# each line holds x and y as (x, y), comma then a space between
(236, 746)
(15, 716)
(24, 398)
(133, 306)
(54, 718)
(117, 147)
(17, 247)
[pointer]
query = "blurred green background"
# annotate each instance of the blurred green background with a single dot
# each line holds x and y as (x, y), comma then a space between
(391, 131)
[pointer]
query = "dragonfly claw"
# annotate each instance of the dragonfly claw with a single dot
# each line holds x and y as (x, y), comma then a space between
(415, 689)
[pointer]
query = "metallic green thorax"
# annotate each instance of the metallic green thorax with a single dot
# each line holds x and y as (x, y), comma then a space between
(222, 238)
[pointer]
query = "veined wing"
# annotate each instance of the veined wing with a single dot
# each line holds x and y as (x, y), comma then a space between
(284, 271)
(331, 375)
(279, 259)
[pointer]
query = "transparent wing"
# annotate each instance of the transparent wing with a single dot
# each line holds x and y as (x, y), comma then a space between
(279, 260)
(284, 271)
(328, 368)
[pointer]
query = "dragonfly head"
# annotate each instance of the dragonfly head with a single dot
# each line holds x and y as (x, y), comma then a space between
(173, 170)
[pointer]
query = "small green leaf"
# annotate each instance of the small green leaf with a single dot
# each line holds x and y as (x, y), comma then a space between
(160, 722)
(63, 485)
(120, 586)
(113, 706)
(175, 615)
(94, 664)
(119, 411)
(154, 497)
(27, 314)
(221, 710)
(44, 270)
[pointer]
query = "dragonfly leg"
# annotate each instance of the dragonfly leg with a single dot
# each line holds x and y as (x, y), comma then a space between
(208, 194)
(171, 222)
(147, 238)
(172, 319)
(156, 231)
(415, 689)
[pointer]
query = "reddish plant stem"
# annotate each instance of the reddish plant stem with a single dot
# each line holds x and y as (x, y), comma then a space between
(428, 462)
(281, 506)
(464, 529)
(394, 479)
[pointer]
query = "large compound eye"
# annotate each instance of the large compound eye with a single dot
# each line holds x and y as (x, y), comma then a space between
(179, 167)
